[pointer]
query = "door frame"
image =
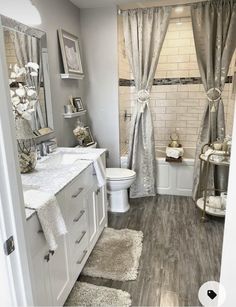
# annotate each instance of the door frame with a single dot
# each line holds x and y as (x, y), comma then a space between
(228, 264)
(14, 268)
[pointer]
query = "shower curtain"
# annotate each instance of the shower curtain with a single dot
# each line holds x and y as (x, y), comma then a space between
(214, 26)
(28, 49)
(144, 32)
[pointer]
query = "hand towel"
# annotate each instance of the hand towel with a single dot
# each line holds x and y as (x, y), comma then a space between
(98, 166)
(100, 172)
(49, 214)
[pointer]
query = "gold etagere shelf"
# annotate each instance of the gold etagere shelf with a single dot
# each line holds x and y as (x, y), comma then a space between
(206, 161)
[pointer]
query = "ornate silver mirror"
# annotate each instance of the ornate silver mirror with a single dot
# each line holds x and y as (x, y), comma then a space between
(27, 61)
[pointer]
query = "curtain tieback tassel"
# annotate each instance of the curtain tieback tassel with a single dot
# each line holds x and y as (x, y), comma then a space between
(143, 98)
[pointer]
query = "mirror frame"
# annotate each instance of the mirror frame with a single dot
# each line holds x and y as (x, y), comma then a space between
(11, 24)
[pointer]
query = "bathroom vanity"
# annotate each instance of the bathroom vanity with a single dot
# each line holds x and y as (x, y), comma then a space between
(84, 208)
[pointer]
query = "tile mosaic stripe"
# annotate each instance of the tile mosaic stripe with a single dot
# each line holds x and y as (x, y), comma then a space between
(170, 81)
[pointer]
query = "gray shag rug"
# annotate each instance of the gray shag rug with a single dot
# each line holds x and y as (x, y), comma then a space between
(116, 255)
(84, 294)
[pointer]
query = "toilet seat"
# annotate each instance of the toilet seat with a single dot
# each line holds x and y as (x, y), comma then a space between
(118, 174)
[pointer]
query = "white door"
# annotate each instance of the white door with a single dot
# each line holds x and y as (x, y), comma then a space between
(41, 280)
(58, 264)
(59, 272)
(15, 281)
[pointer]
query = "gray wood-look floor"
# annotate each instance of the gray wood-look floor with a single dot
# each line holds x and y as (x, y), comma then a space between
(179, 254)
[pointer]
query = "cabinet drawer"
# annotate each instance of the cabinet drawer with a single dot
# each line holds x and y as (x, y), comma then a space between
(76, 212)
(78, 231)
(80, 185)
(80, 255)
(75, 195)
(79, 243)
(80, 217)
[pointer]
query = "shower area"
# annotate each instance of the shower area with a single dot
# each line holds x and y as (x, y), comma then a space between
(177, 101)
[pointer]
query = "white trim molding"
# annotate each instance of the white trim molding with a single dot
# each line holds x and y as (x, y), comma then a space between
(12, 212)
(228, 263)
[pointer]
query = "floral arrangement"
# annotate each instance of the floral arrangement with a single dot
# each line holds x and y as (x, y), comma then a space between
(80, 133)
(23, 96)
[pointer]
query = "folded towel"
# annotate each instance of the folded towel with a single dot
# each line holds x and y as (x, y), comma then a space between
(215, 202)
(49, 214)
(174, 152)
(217, 157)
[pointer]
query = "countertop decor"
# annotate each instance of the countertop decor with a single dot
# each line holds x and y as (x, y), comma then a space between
(24, 98)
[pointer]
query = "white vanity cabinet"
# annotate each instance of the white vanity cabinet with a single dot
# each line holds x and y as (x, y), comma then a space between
(84, 208)
(49, 270)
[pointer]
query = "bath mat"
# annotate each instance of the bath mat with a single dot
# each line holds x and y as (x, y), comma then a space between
(116, 255)
(84, 294)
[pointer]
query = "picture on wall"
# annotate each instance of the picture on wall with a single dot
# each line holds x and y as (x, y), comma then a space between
(77, 102)
(69, 44)
(88, 139)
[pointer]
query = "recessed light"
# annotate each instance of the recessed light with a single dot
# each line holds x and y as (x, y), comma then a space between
(179, 23)
(179, 9)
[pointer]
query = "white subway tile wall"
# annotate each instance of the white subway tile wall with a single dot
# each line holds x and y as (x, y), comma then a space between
(174, 107)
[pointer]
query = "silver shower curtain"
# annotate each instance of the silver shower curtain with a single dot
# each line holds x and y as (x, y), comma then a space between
(144, 32)
(214, 26)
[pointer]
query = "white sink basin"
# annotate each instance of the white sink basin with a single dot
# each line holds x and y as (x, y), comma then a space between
(61, 160)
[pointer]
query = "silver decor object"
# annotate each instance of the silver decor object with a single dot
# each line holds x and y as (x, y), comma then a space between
(27, 149)
(174, 140)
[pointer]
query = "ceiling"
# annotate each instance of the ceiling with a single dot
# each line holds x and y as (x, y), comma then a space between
(127, 4)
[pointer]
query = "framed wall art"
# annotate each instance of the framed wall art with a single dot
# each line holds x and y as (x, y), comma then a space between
(77, 102)
(70, 52)
(89, 140)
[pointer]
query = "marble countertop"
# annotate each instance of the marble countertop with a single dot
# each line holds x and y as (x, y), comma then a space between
(57, 170)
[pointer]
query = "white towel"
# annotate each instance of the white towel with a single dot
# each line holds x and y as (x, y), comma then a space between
(218, 157)
(215, 202)
(49, 214)
(174, 152)
(98, 166)
(100, 172)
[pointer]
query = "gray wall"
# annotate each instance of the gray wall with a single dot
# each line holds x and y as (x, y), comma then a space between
(56, 14)
(99, 41)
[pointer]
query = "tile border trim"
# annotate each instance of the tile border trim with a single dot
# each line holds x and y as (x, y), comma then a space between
(170, 81)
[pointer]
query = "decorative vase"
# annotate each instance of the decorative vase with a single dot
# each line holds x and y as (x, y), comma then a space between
(27, 150)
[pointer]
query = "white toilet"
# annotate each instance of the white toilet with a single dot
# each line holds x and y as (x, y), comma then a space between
(118, 182)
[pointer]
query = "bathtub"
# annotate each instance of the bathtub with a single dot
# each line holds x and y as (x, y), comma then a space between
(172, 178)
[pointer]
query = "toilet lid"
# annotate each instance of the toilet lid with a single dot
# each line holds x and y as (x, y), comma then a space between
(119, 173)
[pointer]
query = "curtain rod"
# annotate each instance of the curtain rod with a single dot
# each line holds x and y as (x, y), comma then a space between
(169, 5)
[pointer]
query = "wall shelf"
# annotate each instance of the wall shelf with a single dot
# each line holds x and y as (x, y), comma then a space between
(72, 76)
(76, 114)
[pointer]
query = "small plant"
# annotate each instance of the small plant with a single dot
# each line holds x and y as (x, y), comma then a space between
(23, 96)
